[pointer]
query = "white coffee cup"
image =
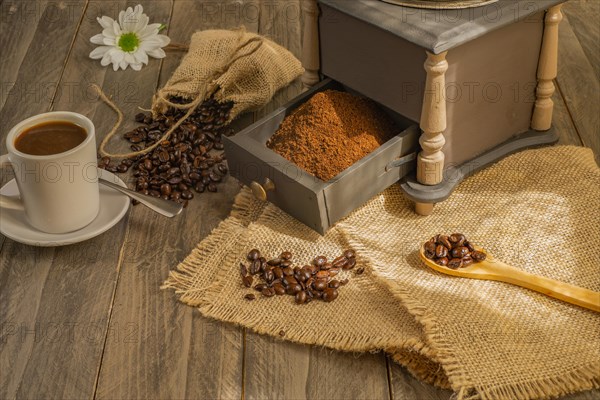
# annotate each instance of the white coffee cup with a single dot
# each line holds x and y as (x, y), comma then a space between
(59, 193)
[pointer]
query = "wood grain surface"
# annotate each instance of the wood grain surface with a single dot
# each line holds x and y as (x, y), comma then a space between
(88, 320)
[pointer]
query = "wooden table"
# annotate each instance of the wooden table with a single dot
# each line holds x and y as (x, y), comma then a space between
(89, 320)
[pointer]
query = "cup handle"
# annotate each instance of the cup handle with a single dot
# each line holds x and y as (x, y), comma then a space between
(13, 203)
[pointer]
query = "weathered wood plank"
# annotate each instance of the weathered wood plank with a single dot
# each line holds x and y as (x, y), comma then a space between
(579, 87)
(561, 120)
(282, 370)
(176, 353)
(16, 34)
(584, 16)
(403, 386)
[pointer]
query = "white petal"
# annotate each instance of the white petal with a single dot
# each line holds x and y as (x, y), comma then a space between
(115, 66)
(164, 40)
(99, 52)
(121, 15)
(141, 56)
(123, 65)
(105, 22)
(98, 39)
(129, 59)
(117, 54)
(149, 30)
(109, 41)
(156, 41)
(157, 53)
(129, 20)
(116, 29)
(136, 66)
(105, 61)
(141, 23)
(109, 32)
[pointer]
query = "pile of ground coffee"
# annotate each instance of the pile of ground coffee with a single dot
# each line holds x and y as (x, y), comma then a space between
(332, 131)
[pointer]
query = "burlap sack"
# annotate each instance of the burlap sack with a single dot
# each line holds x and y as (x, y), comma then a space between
(537, 210)
(237, 66)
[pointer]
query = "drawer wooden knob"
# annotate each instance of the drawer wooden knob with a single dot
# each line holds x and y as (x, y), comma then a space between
(260, 191)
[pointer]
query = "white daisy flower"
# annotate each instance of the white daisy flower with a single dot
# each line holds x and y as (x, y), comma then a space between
(129, 41)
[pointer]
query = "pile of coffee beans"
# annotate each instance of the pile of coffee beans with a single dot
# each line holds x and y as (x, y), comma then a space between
(191, 160)
(279, 276)
(453, 251)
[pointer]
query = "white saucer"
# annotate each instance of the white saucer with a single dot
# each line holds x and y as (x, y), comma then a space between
(113, 206)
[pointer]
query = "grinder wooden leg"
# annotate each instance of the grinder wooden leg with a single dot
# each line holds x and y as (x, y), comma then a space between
(430, 163)
(547, 71)
(310, 43)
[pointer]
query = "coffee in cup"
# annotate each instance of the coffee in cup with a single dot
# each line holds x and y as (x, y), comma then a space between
(53, 156)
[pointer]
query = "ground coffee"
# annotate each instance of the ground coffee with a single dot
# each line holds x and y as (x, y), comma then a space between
(332, 131)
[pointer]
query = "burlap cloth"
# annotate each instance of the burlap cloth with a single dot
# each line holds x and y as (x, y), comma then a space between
(232, 65)
(537, 210)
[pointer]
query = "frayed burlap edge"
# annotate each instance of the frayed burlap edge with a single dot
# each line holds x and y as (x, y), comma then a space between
(416, 356)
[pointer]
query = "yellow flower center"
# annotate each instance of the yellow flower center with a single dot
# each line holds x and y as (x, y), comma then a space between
(129, 42)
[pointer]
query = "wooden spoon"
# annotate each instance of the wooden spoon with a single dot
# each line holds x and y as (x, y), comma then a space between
(494, 270)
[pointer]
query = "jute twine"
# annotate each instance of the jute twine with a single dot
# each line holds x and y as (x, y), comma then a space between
(237, 66)
(537, 210)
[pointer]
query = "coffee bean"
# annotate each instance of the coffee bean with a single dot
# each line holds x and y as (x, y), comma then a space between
(478, 256)
(459, 252)
(443, 239)
(320, 284)
(250, 297)
(330, 294)
(351, 263)
(278, 272)
(253, 254)
(187, 195)
(199, 187)
(334, 284)
(467, 260)
(288, 271)
(442, 261)
(279, 289)
(301, 297)
(212, 187)
(349, 253)
(268, 276)
(260, 287)
(243, 269)
(289, 280)
(247, 281)
(360, 271)
(333, 271)
(340, 261)
(274, 261)
(457, 239)
(322, 275)
(293, 289)
(165, 189)
(319, 261)
(441, 251)
(429, 249)
(281, 333)
(455, 263)
(139, 117)
(286, 256)
(268, 292)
